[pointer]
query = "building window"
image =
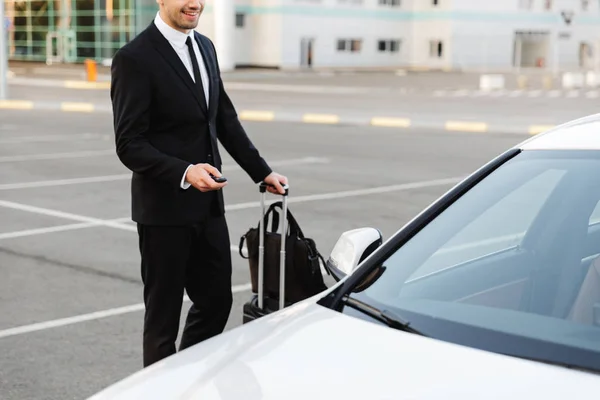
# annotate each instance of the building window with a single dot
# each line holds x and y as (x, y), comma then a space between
(436, 49)
(585, 5)
(392, 46)
(240, 20)
(391, 3)
(349, 45)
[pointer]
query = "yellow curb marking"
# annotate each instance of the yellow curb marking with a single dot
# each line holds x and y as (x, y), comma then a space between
(86, 85)
(536, 129)
(254, 115)
(77, 107)
(16, 104)
(390, 122)
(466, 126)
(321, 118)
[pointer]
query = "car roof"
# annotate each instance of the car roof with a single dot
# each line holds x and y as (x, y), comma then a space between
(579, 134)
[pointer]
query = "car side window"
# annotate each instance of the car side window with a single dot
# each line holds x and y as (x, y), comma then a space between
(502, 226)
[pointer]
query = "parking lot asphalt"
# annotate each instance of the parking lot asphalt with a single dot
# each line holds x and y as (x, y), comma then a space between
(414, 78)
(70, 297)
(295, 101)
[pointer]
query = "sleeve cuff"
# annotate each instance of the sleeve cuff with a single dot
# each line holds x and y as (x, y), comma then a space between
(185, 185)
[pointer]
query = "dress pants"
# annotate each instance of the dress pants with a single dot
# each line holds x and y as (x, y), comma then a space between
(197, 259)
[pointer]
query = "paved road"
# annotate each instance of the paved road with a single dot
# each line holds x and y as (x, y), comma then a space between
(383, 77)
(358, 103)
(60, 183)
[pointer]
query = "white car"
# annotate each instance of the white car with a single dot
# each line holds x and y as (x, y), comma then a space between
(492, 292)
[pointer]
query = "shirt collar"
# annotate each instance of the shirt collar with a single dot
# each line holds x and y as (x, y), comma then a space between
(174, 36)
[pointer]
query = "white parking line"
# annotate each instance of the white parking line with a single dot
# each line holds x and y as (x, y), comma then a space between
(354, 193)
(89, 221)
(66, 215)
(121, 177)
(57, 156)
(53, 138)
(41, 326)
(119, 223)
(65, 182)
(55, 229)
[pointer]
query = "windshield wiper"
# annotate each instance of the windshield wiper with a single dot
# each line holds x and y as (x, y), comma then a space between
(388, 317)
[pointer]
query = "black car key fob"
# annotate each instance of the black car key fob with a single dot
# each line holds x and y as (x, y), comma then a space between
(220, 179)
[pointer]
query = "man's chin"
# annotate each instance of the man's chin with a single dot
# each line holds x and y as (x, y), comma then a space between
(188, 25)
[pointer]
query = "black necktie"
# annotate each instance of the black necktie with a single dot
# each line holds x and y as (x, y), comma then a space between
(196, 68)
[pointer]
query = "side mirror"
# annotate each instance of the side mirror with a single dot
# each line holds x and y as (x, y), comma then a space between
(351, 249)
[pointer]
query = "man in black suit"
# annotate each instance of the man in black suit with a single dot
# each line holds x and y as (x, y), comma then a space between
(170, 108)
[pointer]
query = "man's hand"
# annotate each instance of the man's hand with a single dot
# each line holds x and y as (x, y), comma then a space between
(276, 180)
(199, 177)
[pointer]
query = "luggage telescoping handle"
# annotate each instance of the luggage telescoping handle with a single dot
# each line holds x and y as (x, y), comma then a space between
(261, 248)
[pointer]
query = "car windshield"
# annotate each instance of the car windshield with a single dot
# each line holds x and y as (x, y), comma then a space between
(512, 266)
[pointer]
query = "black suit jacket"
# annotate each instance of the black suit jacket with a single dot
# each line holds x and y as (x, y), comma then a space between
(162, 125)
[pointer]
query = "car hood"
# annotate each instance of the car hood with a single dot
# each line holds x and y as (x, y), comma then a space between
(310, 352)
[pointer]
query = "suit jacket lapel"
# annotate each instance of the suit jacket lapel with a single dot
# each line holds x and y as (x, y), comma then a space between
(209, 62)
(165, 49)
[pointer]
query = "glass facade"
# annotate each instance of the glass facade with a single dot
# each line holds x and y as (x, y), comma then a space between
(73, 30)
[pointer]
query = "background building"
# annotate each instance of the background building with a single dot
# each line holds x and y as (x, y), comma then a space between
(69, 30)
(452, 34)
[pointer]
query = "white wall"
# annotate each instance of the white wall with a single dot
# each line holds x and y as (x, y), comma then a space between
(244, 45)
(423, 33)
(267, 37)
(258, 42)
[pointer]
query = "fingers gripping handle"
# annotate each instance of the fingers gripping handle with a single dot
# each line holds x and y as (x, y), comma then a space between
(263, 188)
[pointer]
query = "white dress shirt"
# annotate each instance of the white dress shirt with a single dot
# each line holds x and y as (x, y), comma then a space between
(177, 40)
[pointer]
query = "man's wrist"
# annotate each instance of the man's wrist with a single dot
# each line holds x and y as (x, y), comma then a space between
(185, 184)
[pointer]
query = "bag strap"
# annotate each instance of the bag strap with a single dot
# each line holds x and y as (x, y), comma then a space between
(313, 246)
(274, 221)
(293, 224)
(242, 240)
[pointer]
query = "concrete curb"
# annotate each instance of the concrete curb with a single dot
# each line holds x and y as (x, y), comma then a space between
(306, 118)
(60, 83)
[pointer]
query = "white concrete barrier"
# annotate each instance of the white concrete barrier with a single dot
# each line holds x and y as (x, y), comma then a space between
(592, 79)
(571, 80)
(491, 82)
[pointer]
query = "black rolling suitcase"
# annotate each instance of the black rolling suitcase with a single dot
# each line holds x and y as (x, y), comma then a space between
(304, 276)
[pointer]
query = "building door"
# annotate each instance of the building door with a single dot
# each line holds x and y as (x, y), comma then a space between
(586, 55)
(531, 49)
(306, 52)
